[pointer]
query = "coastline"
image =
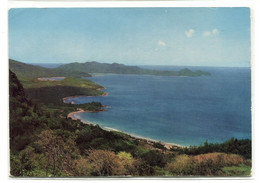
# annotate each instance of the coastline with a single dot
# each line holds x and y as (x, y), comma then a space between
(149, 140)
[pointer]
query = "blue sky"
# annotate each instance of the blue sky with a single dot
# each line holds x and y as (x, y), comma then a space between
(132, 36)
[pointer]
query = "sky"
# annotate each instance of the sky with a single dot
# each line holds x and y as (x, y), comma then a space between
(131, 36)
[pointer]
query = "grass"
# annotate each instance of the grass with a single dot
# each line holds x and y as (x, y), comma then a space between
(51, 93)
(241, 170)
(53, 96)
(69, 81)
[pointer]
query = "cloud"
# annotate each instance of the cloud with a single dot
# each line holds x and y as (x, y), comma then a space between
(210, 33)
(161, 43)
(206, 33)
(189, 33)
(215, 32)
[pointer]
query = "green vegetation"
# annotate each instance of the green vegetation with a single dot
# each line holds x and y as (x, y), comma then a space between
(241, 147)
(82, 69)
(211, 164)
(95, 67)
(45, 143)
(242, 169)
(51, 93)
(23, 70)
(69, 81)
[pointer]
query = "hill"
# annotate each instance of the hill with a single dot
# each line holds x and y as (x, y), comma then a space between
(96, 67)
(82, 69)
(23, 70)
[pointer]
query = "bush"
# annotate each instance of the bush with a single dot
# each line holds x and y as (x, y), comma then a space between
(233, 146)
(241, 170)
(104, 163)
(203, 165)
(182, 165)
(220, 159)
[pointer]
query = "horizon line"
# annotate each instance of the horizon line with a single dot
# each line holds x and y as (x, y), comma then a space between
(32, 63)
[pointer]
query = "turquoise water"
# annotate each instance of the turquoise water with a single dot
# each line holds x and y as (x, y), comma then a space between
(182, 110)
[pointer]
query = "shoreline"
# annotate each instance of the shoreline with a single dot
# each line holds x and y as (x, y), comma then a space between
(149, 140)
(79, 110)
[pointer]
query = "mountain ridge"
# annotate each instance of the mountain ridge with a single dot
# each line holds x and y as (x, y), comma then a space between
(23, 70)
(77, 69)
(116, 68)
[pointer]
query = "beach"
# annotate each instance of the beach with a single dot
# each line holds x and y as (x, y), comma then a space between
(73, 116)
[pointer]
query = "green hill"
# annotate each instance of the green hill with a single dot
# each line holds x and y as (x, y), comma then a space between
(82, 69)
(23, 70)
(96, 67)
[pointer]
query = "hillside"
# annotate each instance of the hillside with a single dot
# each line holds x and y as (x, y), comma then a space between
(23, 70)
(82, 69)
(96, 67)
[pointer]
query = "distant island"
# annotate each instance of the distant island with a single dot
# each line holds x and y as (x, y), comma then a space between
(84, 69)
(115, 68)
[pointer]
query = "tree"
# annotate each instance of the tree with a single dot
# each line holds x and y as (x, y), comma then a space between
(182, 165)
(24, 163)
(104, 163)
(128, 162)
(60, 153)
(51, 146)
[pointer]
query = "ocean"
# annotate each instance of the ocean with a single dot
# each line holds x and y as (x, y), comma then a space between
(180, 110)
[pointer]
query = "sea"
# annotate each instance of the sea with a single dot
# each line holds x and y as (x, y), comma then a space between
(180, 110)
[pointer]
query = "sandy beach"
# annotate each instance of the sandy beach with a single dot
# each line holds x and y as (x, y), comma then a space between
(72, 115)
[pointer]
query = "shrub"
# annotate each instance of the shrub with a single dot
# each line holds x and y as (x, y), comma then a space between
(104, 163)
(205, 164)
(220, 159)
(182, 165)
(129, 163)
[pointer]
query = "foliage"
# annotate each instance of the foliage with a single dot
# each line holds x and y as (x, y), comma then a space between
(241, 170)
(96, 67)
(31, 71)
(53, 96)
(68, 81)
(128, 162)
(104, 163)
(159, 145)
(205, 164)
(23, 163)
(182, 165)
(235, 146)
(60, 153)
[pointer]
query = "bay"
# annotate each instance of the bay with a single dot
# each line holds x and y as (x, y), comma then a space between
(181, 110)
